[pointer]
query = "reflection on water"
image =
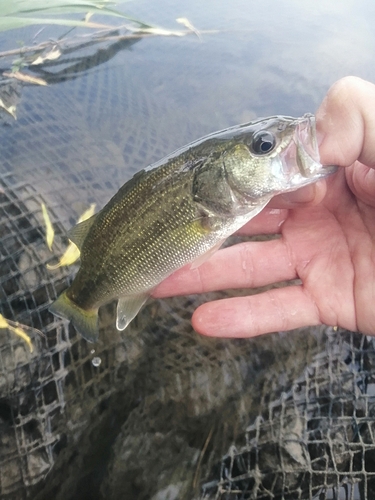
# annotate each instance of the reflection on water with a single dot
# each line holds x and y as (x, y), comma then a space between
(162, 413)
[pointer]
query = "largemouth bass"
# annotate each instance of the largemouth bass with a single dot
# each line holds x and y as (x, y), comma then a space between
(180, 210)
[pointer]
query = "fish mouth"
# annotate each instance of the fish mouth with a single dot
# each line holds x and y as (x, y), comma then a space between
(307, 151)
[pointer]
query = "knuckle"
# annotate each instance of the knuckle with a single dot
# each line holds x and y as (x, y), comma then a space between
(247, 264)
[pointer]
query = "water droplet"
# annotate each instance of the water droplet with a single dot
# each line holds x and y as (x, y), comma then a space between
(96, 361)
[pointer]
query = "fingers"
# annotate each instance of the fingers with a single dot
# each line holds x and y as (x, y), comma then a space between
(246, 265)
(268, 221)
(273, 311)
(346, 132)
(346, 123)
(361, 180)
(307, 196)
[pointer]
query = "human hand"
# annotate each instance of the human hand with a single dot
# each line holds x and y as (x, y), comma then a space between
(327, 239)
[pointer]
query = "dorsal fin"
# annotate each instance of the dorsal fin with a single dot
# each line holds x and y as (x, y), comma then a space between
(79, 232)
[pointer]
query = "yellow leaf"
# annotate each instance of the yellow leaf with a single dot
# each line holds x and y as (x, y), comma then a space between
(185, 22)
(72, 253)
(9, 109)
(87, 213)
(23, 77)
(50, 233)
(189, 26)
(3, 322)
(53, 54)
(162, 32)
(17, 329)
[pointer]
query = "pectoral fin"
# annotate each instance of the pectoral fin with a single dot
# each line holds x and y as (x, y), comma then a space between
(200, 260)
(128, 308)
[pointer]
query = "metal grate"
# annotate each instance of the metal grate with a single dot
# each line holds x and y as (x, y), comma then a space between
(166, 414)
(316, 439)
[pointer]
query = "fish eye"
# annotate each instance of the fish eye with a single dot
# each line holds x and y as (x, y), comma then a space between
(263, 142)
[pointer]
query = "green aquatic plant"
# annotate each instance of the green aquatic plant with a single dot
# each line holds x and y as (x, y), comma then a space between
(20, 13)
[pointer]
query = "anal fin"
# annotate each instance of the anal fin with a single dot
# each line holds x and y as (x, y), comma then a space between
(128, 308)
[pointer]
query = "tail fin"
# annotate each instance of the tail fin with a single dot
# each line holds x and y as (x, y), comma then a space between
(85, 321)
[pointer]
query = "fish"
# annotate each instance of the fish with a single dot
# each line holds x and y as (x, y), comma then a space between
(180, 210)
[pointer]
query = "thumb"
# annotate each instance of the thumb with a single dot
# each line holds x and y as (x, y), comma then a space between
(361, 180)
(346, 123)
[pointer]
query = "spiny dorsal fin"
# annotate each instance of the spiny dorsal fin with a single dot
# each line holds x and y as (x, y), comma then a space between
(79, 232)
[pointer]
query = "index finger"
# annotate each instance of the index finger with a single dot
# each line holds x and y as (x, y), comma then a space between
(245, 265)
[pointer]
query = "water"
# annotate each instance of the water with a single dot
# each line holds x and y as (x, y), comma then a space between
(163, 92)
(102, 117)
(96, 361)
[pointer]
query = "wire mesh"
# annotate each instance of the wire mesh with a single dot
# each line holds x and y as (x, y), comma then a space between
(158, 413)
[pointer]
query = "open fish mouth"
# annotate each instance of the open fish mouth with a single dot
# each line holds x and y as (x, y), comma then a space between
(307, 151)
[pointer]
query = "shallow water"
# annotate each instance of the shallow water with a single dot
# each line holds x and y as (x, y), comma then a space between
(266, 58)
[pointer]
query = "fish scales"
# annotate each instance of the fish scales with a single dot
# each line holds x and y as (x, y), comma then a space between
(150, 227)
(180, 210)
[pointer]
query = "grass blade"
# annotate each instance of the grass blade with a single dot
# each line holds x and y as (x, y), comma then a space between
(20, 13)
